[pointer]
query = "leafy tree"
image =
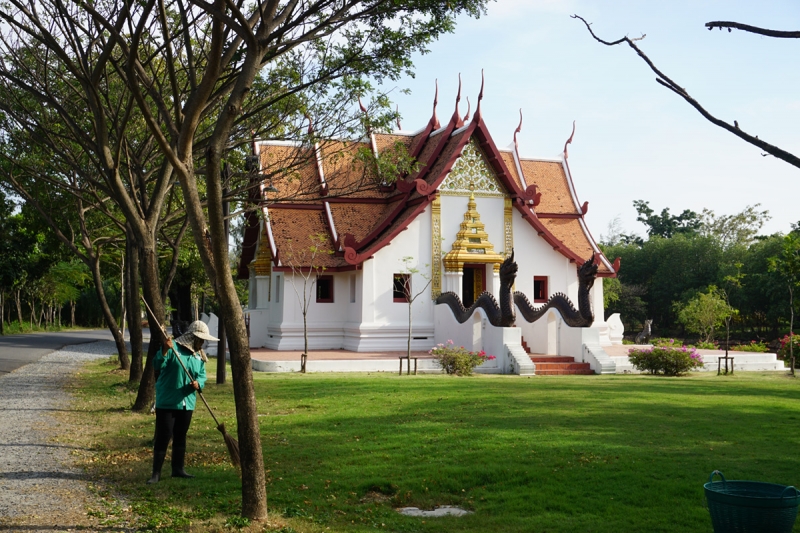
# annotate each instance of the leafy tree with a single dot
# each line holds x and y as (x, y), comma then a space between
(739, 229)
(306, 266)
(200, 77)
(704, 313)
(761, 300)
(788, 266)
(667, 270)
(69, 277)
(665, 224)
(405, 281)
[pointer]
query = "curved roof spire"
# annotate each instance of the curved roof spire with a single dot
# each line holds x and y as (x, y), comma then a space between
(361, 105)
(519, 129)
(569, 141)
(310, 124)
(469, 106)
(456, 117)
(397, 112)
(477, 116)
(434, 119)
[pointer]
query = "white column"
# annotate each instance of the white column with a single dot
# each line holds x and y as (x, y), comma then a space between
(262, 292)
(495, 287)
(452, 282)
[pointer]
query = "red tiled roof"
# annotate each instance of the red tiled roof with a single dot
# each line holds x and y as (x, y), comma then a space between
(366, 216)
(295, 232)
(552, 182)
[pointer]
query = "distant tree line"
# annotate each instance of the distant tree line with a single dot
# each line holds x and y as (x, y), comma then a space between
(693, 259)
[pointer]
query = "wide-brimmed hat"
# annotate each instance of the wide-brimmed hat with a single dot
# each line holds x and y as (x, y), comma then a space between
(197, 329)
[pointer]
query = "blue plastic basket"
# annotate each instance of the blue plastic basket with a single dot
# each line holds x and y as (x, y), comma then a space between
(750, 506)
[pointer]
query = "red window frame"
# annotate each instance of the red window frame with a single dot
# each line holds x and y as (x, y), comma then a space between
(541, 295)
(406, 279)
(329, 281)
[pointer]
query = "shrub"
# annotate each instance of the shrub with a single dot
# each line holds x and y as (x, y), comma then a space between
(457, 359)
(758, 347)
(711, 345)
(783, 351)
(664, 342)
(705, 312)
(669, 361)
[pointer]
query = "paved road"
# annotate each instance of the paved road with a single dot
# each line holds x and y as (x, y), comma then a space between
(19, 350)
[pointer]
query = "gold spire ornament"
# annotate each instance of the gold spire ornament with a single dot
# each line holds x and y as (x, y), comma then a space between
(472, 242)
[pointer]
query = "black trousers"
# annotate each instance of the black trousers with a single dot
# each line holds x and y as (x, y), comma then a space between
(171, 424)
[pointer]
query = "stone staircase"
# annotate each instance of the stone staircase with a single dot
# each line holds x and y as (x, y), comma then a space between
(550, 365)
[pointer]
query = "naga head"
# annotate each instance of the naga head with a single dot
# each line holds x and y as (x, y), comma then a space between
(587, 273)
(508, 270)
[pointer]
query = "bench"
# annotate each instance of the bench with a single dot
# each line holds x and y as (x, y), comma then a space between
(719, 364)
(408, 363)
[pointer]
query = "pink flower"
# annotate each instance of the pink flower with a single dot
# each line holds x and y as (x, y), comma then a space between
(491, 357)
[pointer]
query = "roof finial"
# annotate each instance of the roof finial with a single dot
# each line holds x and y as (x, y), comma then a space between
(477, 116)
(519, 129)
(456, 117)
(434, 118)
(397, 112)
(363, 109)
(469, 106)
(569, 141)
(310, 124)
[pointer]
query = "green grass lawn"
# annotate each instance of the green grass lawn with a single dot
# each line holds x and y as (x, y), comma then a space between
(546, 454)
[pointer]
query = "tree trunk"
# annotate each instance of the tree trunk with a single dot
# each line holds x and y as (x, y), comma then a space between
(122, 296)
(254, 490)
(18, 301)
(134, 308)
(2, 312)
(791, 327)
(408, 349)
(221, 352)
(305, 339)
(72, 312)
(122, 350)
(152, 293)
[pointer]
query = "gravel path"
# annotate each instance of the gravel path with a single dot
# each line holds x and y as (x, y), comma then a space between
(41, 489)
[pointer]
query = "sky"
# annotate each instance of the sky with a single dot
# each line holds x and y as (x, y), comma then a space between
(634, 139)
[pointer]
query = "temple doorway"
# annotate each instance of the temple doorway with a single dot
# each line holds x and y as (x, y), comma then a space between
(473, 283)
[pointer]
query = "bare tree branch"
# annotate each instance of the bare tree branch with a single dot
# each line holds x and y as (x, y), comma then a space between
(670, 84)
(753, 29)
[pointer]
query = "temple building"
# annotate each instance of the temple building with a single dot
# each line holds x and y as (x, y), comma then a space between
(324, 217)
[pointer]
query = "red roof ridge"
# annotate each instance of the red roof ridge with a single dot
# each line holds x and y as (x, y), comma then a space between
(441, 146)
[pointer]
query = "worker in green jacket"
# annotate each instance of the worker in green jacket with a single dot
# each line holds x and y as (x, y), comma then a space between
(175, 395)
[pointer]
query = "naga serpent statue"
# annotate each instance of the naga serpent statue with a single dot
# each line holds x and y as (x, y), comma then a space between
(504, 316)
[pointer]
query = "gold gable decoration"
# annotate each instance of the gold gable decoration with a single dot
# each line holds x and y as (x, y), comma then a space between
(436, 247)
(471, 174)
(472, 243)
(262, 264)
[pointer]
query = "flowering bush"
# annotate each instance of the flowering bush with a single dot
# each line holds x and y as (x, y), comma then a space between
(457, 359)
(783, 351)
(758, 347)
(664, 342)
(710, 345)
(675, 343)
(666, 360)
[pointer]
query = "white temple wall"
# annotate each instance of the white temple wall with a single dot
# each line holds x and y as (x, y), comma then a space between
(535, 257)
(384, 322)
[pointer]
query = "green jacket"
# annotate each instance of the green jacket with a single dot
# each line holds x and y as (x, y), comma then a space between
(173, 387)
